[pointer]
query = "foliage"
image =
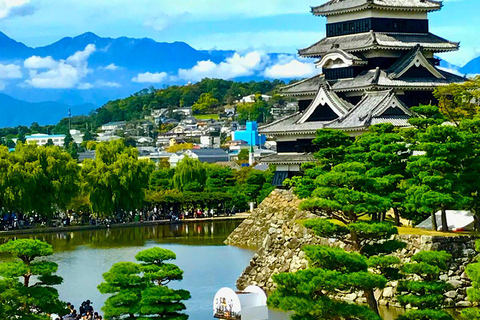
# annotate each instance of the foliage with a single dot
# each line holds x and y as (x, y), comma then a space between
(139, 290)
(205, 103)
(257, 111)
(27, 300)
(31, 171)
(435, 183)
(189, 171)
(459, 101)
(427, 294)
(116, 178)
(180, 147)
(473, 293)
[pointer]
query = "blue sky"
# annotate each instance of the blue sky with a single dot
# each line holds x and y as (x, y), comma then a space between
(245, 25)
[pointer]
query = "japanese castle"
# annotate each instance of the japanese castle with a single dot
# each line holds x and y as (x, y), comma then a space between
(377, 61)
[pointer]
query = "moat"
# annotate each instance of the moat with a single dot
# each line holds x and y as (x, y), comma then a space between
(209, 265)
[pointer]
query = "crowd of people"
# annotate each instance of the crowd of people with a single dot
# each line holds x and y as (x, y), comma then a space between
(85, 312)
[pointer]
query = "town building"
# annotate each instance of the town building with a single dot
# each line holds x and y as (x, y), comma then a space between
(377, 61)
(42, 139)
(113, 126)
(202, 155)
(250, 135)
(251, 98)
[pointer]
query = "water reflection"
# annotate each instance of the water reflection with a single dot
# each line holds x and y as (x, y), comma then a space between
(190, 233)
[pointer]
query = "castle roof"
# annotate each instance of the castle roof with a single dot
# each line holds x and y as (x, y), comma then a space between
(375, 107)
(344, 6)
(305, 87)
(379, 40)
(378, 79)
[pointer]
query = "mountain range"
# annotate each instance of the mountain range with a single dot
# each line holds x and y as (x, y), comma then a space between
(40, 84)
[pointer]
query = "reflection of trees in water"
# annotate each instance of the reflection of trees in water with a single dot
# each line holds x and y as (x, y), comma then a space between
(190, 233)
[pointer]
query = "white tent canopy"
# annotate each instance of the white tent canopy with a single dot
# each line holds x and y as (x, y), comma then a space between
(250, 304)
(456, 220)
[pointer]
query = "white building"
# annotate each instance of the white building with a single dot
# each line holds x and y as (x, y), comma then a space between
(251, 98)
(77, 136)
(42, 139)
(112, 126)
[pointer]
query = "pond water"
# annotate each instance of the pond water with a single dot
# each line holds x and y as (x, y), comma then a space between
(209, 265)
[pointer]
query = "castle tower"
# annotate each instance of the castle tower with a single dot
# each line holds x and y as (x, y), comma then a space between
(377, 60)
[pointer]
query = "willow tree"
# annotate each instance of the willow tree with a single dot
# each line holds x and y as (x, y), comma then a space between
(116, 180)
(34, 297)
(190, 175)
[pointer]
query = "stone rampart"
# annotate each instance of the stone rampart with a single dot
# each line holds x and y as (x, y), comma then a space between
(273, 228)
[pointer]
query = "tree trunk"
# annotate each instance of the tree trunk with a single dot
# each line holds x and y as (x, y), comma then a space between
(355, 241)
(397, 217)
(434, 221)
(372, 302)
(444, 220)
(476, 223)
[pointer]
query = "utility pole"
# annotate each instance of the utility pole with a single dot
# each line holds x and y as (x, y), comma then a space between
(69, 120)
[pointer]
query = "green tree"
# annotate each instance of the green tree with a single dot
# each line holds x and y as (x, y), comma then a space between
(458, 101)
(68, 140)
(425, 295)
(205, 103)
(383, 150)
(139, 290)
(435, 184)
(33, 298)
(219, 178)
(473, 293)
(189, 171)
(116, 180)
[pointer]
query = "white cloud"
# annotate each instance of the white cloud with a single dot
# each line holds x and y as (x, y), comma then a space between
(85, 86)
(98, 84)
(149, 77)
(107, 84)
(7, 7)
(287, 67)
(111, 67)
(233, 67)
(48, 73)
(10, 71)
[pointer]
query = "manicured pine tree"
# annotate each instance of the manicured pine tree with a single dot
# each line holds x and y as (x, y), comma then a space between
(470, 168)
(342, 194)
(427, 295)
(139, 291)
(473, 293)
(34, 297)
(436, 183)
(331, 146)
(383, 150)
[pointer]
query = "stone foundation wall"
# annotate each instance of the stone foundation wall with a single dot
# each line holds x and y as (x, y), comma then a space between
(273, 228)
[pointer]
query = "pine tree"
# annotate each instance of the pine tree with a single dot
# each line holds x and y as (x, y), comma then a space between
(139, 291)
(425, 295)
(33, 298)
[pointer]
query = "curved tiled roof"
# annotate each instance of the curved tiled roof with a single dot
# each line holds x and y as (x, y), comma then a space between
(380, 79)
(379, 40)
(343, 6)
(305, 87)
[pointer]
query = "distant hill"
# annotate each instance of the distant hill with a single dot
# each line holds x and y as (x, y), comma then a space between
(473, 67)
(15, 112)
(111, 69)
